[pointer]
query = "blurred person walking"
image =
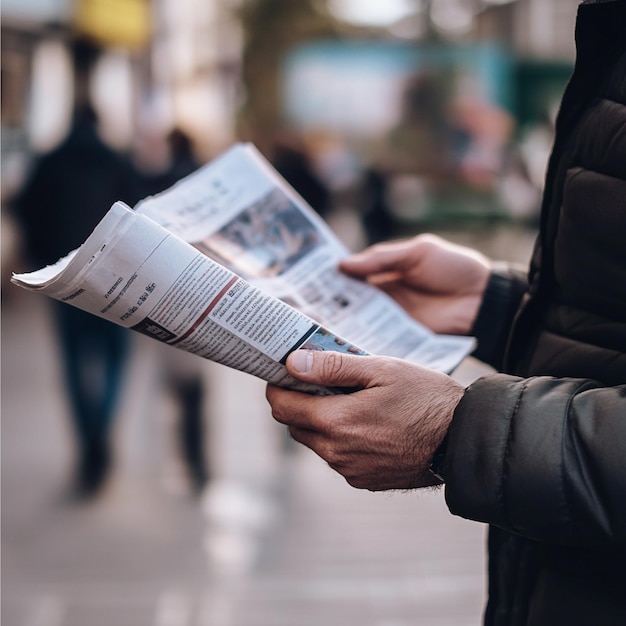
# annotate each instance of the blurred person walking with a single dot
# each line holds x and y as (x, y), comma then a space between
(66, 193)
(293, 162)
(182, 372)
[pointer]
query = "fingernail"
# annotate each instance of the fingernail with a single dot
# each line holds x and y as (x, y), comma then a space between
(301, 361)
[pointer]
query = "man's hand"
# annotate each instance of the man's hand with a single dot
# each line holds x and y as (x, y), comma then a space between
(438, 283)
(381, 437)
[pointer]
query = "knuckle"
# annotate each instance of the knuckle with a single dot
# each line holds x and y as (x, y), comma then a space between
(388, 369)
(277, 415)
(357, 482)
(294, 433)
(427, 239)
(338, 428)
(332, 365)
(330, 454)
(427, 245)
(377, 248)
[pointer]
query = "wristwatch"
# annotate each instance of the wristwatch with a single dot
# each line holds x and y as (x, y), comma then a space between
(436, 466)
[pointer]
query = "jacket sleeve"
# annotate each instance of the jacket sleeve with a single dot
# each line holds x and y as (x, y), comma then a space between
(541, 457)
(503, 294)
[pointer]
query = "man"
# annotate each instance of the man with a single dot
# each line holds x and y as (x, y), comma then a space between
(538, 452)
(66, 193)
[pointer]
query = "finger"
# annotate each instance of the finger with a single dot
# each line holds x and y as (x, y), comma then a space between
(285, 402)
(272, 391)
(381, 258)
(383, 279)
(305, 436)
(318, 443)
(332, 369)
(298, 410)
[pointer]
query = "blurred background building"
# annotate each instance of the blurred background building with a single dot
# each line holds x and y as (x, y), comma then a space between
(413, 115)
(351, 80)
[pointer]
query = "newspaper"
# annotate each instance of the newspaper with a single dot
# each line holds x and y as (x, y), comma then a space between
(231, 264)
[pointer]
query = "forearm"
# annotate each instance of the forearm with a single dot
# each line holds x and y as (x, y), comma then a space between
(541, 457)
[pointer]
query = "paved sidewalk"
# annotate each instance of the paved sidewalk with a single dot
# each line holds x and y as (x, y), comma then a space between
(298, 548)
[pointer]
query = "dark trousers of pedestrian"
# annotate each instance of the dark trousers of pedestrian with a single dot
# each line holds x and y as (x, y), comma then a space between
(94, 353)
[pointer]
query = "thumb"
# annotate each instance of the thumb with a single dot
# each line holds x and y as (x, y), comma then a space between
(331, 369)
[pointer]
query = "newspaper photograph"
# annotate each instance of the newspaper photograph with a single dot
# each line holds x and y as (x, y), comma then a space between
(239, 211)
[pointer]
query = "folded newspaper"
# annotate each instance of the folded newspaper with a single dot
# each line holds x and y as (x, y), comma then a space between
(231, 264)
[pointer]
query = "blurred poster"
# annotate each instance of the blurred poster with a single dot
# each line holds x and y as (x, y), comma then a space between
(433, 119)
(358, 87)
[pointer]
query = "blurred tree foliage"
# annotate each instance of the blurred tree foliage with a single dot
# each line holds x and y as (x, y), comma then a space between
(271, 29)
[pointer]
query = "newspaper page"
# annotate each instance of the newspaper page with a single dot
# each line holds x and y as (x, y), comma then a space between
(239, 211)
(135, 273)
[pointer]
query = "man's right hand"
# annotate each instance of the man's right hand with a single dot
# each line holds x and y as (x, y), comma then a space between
(381, 437)
(440, 284)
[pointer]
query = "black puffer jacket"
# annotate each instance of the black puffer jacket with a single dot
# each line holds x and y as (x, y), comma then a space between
(539, 453)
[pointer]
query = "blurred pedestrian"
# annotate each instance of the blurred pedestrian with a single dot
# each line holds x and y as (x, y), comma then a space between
(66, 193)
(373, 206)
(183, 374)
(538, 451)
(293, 162)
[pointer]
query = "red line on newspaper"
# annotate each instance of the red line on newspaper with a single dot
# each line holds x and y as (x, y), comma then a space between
(206, 311)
